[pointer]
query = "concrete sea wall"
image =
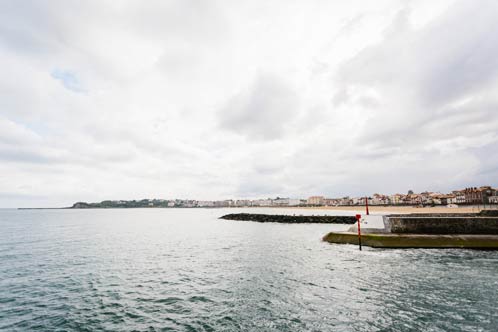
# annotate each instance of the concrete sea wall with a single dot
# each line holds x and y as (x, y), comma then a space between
(442, 225)
(475, 231)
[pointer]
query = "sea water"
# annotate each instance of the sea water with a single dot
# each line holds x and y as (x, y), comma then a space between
(187, 270)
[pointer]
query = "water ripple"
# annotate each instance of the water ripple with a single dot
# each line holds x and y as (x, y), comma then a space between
(184, 270)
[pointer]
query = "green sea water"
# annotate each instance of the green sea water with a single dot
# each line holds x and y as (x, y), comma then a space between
(186, 270)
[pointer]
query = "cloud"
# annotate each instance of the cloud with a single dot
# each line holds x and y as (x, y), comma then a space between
(222, 99)
(262, 111)
(434, 88)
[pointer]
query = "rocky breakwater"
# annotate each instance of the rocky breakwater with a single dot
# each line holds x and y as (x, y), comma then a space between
(290, 219)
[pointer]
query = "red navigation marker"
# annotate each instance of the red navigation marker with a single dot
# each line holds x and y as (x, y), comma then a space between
(358, 217)
(366, 204)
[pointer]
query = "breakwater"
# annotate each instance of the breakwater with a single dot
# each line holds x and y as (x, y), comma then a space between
(288, 219)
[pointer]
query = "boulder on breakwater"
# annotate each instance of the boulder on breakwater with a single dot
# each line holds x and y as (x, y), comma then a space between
(290, 219)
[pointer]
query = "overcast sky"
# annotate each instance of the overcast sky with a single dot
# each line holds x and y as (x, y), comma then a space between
(245, 99)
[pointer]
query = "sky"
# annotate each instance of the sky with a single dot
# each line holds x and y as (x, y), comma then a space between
(245, 99)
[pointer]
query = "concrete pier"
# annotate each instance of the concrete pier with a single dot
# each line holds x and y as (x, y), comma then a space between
(422, 231)
(387, 240)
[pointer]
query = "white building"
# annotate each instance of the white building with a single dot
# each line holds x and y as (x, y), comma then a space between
(280, 202)
(493, 199)
(396, 199)
(262, 202)
(205, 203)
(357, 200)
(294, 201)
(460, 197)
(243, 202)
(451, 199)
(346, 201)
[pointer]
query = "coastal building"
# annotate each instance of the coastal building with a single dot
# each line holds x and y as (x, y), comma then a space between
(426, 198)
(414, 199)
(262, 202)
(459, 196)
(355, 200)
(379, 199)
(280, 201)
(451, 199)
(190, 203)
(205, 204)
(471, 195)
(294, 202)
(477, 195)
(442, 199)
(243, 203)
(345, 201)
(439, 199)
(396, 199)
(330, 201)
(225, 203)
(315, 200)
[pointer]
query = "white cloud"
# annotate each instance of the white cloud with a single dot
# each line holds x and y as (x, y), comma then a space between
(131, 99)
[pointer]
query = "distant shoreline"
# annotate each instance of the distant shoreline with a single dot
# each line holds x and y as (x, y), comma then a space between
(355, 208)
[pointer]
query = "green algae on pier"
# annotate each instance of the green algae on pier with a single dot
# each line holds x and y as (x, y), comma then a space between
(386, 240)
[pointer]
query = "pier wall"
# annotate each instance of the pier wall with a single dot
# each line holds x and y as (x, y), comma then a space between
(442, 225)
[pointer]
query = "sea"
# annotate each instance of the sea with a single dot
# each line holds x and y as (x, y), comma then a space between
(187, 270)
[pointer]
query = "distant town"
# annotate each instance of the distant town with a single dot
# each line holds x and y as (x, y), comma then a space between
(467, 196)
